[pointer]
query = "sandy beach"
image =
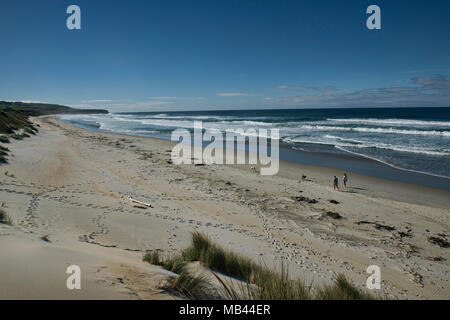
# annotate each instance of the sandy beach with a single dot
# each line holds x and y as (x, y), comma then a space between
(67, 191)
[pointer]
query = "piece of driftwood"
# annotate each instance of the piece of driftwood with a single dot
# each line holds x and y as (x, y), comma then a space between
(148, 205)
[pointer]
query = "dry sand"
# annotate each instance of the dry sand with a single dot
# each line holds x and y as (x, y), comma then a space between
(73, 185)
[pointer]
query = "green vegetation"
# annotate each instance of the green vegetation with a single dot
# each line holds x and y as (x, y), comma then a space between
(10, 121)
(267, 285)
(30, 131)
(174, 264)
(342, 290)
(39, 109)
(4, 218)
(188, 284)
(257, 282)
(216, 258)
(3, 154)
(19, 136)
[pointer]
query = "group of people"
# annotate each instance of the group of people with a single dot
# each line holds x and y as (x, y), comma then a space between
(336, 181)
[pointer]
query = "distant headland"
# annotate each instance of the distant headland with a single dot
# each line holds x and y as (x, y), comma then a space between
(39, 109)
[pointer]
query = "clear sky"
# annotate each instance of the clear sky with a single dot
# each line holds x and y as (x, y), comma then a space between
(230, 54)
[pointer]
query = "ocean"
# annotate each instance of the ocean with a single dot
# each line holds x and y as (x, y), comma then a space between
(378, 142)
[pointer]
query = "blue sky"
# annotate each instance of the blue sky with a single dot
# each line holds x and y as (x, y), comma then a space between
(200, 55)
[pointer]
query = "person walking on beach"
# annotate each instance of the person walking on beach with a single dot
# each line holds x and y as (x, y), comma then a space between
(345, 179)
(336, 183)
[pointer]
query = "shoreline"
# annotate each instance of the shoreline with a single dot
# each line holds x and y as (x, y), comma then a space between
(73, 184)
(443, 193)
(348, 161)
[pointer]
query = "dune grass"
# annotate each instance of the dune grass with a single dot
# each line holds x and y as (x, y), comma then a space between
(190, 285)
(342, 290)
(4, 217)
(267, 285)
(153, 257)
(14, 124)
(21, 136)
(31, 130)
(16, 136)
(3, 158)
(3, 153)
(256, 281)
(174, 264)
(14, 121)
(219, 259)
(10, 121)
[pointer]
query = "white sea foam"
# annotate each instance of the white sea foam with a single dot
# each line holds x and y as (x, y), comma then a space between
(400, 122)
(378, 130)
(251, 123)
